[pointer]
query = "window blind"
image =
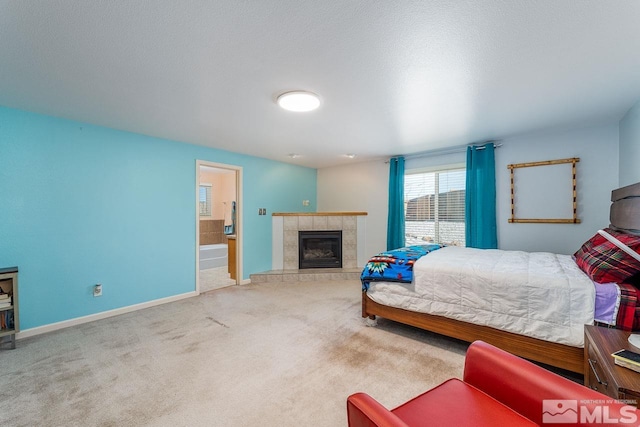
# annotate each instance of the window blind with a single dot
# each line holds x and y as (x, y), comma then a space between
(434, 207)
(205, 200)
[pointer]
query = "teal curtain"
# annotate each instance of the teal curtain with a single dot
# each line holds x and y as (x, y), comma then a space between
(480, 198)
(395, 222)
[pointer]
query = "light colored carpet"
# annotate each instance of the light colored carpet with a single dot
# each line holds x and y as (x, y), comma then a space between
(274, 354)
(215, 278)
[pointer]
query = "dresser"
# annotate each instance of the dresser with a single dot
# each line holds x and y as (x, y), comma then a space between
(600, 371)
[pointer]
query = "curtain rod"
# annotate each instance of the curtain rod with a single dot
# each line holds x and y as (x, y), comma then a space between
(451, 150)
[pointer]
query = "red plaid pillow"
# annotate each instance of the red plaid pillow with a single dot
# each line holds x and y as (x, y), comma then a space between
(604, 262)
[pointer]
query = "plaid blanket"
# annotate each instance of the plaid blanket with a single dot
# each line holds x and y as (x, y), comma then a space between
(604, 262)
(628, 318)
(395, 265)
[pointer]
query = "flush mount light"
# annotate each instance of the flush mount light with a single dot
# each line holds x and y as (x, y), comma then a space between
(351, 155)
(299, 101)
(294, 155)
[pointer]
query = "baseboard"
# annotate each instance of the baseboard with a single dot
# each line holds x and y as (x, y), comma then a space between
(245, 282)
(99, 316)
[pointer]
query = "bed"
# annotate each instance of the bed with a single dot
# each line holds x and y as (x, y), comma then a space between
(534, 305)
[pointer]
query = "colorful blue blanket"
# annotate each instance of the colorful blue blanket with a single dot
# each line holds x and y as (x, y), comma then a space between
(395, 265)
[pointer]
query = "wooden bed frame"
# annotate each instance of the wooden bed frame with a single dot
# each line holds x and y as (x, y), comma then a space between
(624, 216)
(554, 354)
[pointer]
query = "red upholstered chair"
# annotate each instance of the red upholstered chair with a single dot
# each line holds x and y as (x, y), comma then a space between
(498, 389)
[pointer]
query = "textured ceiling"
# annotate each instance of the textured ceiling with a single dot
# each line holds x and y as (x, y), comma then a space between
(395, 77)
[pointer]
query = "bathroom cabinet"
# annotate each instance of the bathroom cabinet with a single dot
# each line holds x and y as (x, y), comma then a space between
(231, 247)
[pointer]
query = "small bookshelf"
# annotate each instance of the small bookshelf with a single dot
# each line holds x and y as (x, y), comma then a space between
(9, 323)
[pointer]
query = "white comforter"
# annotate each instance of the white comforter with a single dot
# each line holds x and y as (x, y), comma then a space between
(542, 295)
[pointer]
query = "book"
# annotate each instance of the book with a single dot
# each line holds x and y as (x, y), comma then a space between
(4, 296)
(628, 359)
(625, 364)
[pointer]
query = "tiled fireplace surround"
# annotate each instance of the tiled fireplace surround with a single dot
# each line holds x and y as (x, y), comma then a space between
(285, 227)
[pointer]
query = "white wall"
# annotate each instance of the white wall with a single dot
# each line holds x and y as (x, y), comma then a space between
(597, 173)
(435, 160)
(630, 147)
(360, 187)
(364, 187)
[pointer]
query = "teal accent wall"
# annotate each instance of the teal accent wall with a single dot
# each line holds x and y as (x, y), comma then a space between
(84, 204)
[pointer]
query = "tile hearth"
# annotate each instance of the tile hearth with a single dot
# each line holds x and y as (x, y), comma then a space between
(285, 262)
(307, 275)
(286, 226)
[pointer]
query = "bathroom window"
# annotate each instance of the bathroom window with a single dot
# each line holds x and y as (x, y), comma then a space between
(205, 199)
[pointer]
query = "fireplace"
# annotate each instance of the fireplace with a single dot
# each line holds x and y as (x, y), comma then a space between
(320, 249)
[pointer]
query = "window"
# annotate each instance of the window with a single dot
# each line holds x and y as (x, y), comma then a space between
(205, 199)
(434, 207)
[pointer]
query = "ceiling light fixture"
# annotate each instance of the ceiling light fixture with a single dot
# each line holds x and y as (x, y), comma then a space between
(351, 155)
(299, 101)
(294, 155)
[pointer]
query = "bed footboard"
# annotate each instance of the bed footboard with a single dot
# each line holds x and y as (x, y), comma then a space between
(554, 354)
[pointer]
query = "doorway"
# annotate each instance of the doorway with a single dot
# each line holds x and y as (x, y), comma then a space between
(217, 226)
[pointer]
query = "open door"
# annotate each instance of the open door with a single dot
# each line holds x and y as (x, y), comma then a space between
(218, 225)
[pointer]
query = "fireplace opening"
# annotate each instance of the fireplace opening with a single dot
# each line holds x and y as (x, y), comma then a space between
(320, 249)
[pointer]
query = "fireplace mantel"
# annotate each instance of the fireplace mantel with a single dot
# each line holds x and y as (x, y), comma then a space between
(285, 227)
(319, 214)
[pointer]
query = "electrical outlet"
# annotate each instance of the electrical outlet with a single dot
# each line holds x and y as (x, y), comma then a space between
(305, 203)
(97, 290)
(264, 211)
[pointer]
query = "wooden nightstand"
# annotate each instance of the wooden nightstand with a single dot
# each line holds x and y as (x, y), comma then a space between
(600, 372)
